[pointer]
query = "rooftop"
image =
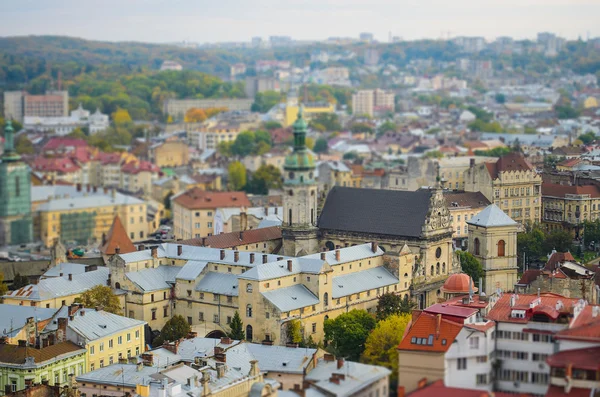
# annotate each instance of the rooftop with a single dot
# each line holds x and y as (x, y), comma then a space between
(364, 280)
(15, 354)
(197, 198)
(579, 359)
(117, 238)
(93, 324)
(430, 332)
(491, 216)
(291, 298)
(153, 279)
(236, 239)
(465, 199)
(13, 317)
(548, 302)
(438, 389)
(556, 190)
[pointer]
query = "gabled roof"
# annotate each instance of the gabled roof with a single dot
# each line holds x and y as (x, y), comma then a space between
(491, 216)
(442, 332)
(14, 317)
(14, 354)
(451, 310)
(584, 327)
(357, 376)
(235, 239)
(93, 324)
(154, 279)
(557, 258)
(513, 161)
(556, 190)
(529, 276)
(197, 198)
(365, 280)
(117, 237)
(465, 199)
(438, 389)
(502, 310)
(219, 283)
(376, 211)
(271, 270)
(579, 359)
(291, 298)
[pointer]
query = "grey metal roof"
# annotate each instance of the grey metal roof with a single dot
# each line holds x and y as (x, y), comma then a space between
(94, 200)
(56, 287)
(66, 269)
(348, 254)
(92, 324)
(280, 358)
(364, 280)
(376, 211)
(219, 283)
(271, 270)
(153, 279)
(122, 374)
(13, 317)
(163, 357)
(191, 270)
(291, 298)
(200, 347)
(357, 377)
(491, 216)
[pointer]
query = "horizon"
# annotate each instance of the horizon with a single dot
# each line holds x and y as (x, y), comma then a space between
(159, 22)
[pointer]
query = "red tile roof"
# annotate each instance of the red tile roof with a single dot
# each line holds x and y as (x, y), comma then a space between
(513, 162)
(584, 327)
(476, 304)
(465, 199)
(450, 310)
(578, 359)
(569, 162)
(556, 258)
(501, 312)
(109, 158)
(529, 276)
(117, 237)
(558, 391)
(556, 190)
(62, 143)
(54, 164)
(135, 167)
(197, 198)
(492, 170)
(230, 240)
(438, 389)
(481, 327)
(444, 332)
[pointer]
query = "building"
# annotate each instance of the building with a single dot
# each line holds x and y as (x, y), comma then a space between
(15, 195)
(568, 207)
(19, 104)
(237, 219)
(177, 108)
(463, 206)
(256, 84)
(370, 102)
(171, 65)
(266, 240)
(171, 153)
(194, 210)
(493, 241)
(61, 126)
(308, 111)
(13, 105)
(333, 173)
(512, 184)
(371, 57)
(138, 176)
(164, 187)
(452, 169)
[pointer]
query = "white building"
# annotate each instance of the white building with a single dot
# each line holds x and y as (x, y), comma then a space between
(79, 118)
(171, 65)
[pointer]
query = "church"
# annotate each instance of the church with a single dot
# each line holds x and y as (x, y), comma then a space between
(419, 220)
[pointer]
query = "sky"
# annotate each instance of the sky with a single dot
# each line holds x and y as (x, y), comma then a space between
(202, 21)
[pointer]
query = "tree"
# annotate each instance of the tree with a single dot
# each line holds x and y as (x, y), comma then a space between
(500, 98)
(23, 145)
(266, 177)
(387, 126)
(101, 296)
(195, 115)
(591, 232)
(293, 330)
(350, 156)
(348, 333)
(470, 265)
(236, 327)
(176, 328)
(495, 152)
(560, 240)
(433, 154)
(20, 281)
(566, 112)
(320, 146)
(361, 127)
(237, 176)
(390, 304)
(310, 143)
(381, 346)
(121, 117)
(3, 286)
(264, 101)
(587, 138)
(272, 125)
(78, 133)
(326, 121)
(530, 244)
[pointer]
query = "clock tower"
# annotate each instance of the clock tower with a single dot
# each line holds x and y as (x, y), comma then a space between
(299, 229)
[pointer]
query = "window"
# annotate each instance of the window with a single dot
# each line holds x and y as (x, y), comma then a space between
(481, 379)
(267, 315)
(476, 246)
(166, 311)
(102, 363)
(249, 288)
(153, 316)
(314, 327)
(210, 224)
(110, 344)
(539, 378)
(128, 337)
(151, 297)
(201, 316)
(137, 334)
(461, 363)
(110, 360)
(325, 299)
(92, 350)
(216, 318)
(249, 310)
(501, 247)
(56, 378)
(474, 342)
(101, 346)
(120, 340)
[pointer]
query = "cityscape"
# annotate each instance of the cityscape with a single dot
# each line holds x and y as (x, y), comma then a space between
(408, 214)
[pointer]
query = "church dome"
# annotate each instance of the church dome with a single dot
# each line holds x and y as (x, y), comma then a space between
(458, 284)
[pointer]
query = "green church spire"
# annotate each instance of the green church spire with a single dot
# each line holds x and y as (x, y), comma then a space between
(9, 143)
(301, 158)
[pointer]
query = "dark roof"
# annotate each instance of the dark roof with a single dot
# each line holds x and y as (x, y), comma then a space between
(15, 354)
(235, 239)
(387, 212)
(513, 162)
(466, 199)
(529, 276)
(558, 258)
(557, 190)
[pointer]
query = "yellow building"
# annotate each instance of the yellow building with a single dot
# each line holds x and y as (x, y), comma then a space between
(511, 183)
(569, 207)
(463, 206)
(334, 173)
(171, 153)
(194, 210)
(138, 176)
(452, 169)
(75, 213)
(493, 241)
(310, 110)
(590, 102)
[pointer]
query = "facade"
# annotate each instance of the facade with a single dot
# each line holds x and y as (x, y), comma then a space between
(463, 206)
(493, 241)
(511, 183)
(256, 84)
(13, 105)
(452, 169)
(19, 104)
(369, 102)
(567, 207)
(170, 153)
(65, 125)
(15, 195)
(194, 210)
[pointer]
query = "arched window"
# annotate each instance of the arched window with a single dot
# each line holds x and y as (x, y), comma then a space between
(249, 288)
(249, 333)
(431, 272)
(443, 267)
(248, 310)
(325, 299)
(330, 245)
(405, 275)
(118, 285)
(501, 247)
(476, 246)
(290, 217)
(437, 268)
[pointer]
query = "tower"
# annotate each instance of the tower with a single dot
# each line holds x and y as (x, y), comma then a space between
(493, 241)
(300, 196)
(15, 195)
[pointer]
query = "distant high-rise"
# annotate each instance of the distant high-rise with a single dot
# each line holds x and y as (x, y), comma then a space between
(369, 102)
(366, 37)
(18, 104)
(371, 57)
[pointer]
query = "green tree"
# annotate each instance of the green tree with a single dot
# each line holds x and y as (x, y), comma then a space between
(272, 125)
(3, 286)
(390, 304)
(350, 156)
(500, 98)
(530, 244)
(348, 333)
(433, 154)
(587, 138)
(470, 265)
(381, 346)
(224, 148)
(566, 112)
(78, 133)
(101, 296)
(19, 281)
(176, 328)
(167, 200)
(361, 127)
(387, 126)
(293, 330)
(320, 145)
(237, 176)
(591, 232)
(560, 240)
(328, 121)
(23, 145)
(236, 327)
(495, 152)
(264, 101)
(266, 177)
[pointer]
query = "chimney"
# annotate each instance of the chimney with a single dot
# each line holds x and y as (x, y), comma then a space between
(337, 247)
(103, 239)
(117, 250)
(275, 210)
(328, 357)
(62, 325)
(225, 340)
(266, 211)
(79, 187)
(241, 235)
(173, 347)
(154, 252)
(340, 363)
(218, 350)
(252, 257)
(70, 277)
(334, 379)
(265, 258)
(220, 370)
(95, 189)
(280, 258)
(438, 323)
(221, 357)
(337, 255)
(82, 313)
(204, 241)
(179, 250)
(147, 359)
(222, 252)
(322, 256)
(289, 265)
(60, 274)
(87, 187)
(374, 247)
(139, 366)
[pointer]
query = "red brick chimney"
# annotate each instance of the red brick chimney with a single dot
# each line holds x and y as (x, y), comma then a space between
(289, 265)
(340, 363)
(337, 255)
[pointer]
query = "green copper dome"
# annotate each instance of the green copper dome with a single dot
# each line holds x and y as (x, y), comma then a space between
(9, 144)
(301, 158)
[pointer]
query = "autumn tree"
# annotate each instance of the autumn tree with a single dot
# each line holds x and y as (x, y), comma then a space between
(348, 332)
(237, 176)
(381, 346)
(195, 115)
(101, 296)
(121, 117)
(293, 330)
(236, 327)
(3, 286)
(176, 328)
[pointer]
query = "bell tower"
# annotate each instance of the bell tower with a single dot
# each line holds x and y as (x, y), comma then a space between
(299, 229)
